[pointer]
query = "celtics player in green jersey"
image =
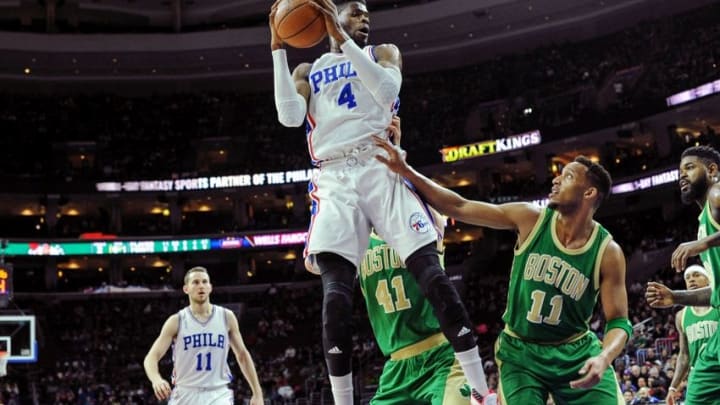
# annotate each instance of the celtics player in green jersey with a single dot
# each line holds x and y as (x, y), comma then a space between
(699, 171)
(422, 369)
(563, 261)
(695, 326)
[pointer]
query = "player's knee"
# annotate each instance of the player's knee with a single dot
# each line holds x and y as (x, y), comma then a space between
(337, 304)
(424, 265)
(337, 276)
(437, 288)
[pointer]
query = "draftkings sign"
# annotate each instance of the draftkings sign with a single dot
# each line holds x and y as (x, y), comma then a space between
(514, 142)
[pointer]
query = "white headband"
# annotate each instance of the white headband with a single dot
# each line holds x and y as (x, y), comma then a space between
(696, 269)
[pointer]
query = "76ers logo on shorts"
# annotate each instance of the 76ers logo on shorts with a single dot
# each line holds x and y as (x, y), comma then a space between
(419, 223)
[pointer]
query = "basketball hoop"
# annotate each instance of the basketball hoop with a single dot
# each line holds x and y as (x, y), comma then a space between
(3, 363)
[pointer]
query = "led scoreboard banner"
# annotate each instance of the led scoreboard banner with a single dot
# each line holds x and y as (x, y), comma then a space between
(129, 247)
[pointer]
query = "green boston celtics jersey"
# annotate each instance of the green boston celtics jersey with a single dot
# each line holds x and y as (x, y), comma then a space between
(399, 313)
(553, 289)
(698, 325)
(711, 257)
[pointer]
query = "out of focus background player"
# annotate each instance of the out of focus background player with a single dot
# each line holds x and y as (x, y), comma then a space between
(201, 336)
(695, 326)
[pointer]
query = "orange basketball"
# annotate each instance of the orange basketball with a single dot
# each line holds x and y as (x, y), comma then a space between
(299, 24)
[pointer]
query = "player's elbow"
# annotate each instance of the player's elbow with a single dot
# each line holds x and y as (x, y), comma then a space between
(290, 121)
(243, 358)
(291, 113)
(388, 90)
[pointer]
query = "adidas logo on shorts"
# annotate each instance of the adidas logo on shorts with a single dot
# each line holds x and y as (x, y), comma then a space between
(335, 350)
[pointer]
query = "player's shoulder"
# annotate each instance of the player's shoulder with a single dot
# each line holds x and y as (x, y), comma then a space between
(385, 47)
(385, 51)
(613, 249)
(680, 319)
(714, 195)
(526, 212)
(302, 70)
(226, 312)
(172, 323)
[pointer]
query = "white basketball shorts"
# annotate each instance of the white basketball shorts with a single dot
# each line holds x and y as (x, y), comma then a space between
(352, 194)
(194, 396)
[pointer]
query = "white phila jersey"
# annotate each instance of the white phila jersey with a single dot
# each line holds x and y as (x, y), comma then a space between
(200, 350)
(342, 112)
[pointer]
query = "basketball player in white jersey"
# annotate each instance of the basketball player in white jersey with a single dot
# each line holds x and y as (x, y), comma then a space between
(347, 95)
(200, 334)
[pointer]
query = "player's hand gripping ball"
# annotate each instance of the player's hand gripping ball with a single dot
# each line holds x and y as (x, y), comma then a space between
(299, 24)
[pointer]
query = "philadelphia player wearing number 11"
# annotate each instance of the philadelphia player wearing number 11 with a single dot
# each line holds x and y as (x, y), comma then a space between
(201, 335)
(347, 95)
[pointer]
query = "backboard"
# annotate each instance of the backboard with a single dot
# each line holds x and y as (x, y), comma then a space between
(17, 337)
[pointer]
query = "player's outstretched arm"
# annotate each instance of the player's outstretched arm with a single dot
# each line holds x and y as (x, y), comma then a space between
(681, 365)
(291, 95)
(659, 296)
(242, 355)
(161, 345)
(693, 248)
(518, 216)
(615, 308)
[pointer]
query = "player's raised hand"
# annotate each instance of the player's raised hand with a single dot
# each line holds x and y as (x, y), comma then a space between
(332, 20)
(396, 156)
(394, 131)
(658, 295)
(592, 372)
(685, 251)
(162, 389)
(275, 41)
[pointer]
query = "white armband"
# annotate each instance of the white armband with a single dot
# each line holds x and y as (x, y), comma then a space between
(383, 82)
(291, 106)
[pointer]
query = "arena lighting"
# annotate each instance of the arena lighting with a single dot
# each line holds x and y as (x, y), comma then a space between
(130, 247)
(513, 142)
(210, 183)
(694, 94)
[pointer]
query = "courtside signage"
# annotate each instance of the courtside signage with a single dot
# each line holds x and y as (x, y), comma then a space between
(210, 183)
(669, 176)
(130, 247)
(694, 94)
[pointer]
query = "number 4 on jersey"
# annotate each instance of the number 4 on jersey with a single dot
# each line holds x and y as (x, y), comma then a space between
(347, 97)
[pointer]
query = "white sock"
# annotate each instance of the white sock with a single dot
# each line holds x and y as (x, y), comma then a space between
(473, 368)
(342, 389)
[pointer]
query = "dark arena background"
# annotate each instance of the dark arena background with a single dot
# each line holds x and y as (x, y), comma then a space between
(140, 138)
